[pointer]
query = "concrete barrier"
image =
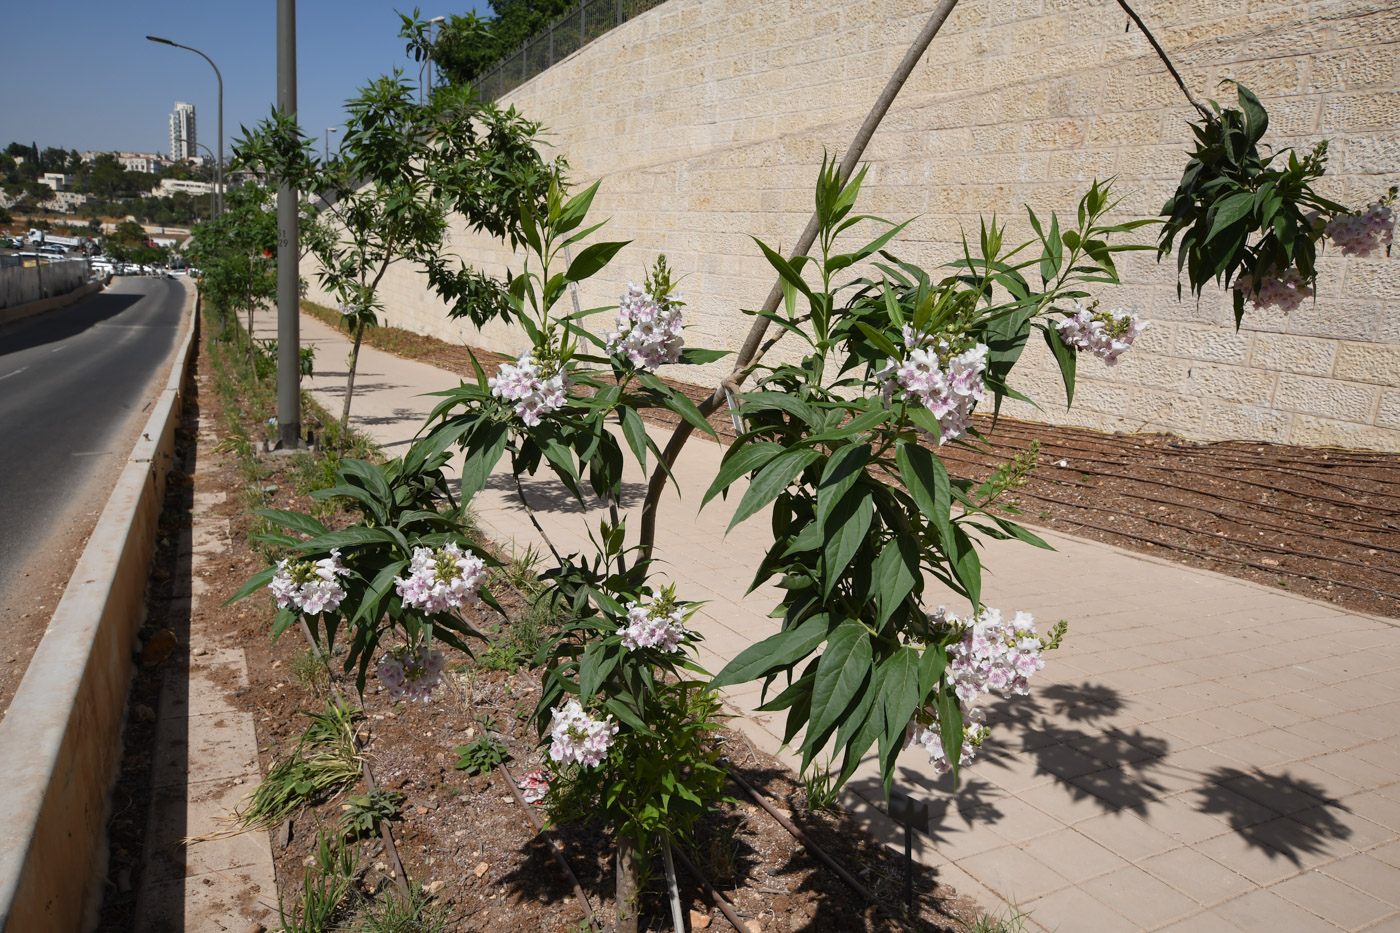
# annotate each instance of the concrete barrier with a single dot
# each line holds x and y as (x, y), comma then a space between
(61, 738)
(50, 304)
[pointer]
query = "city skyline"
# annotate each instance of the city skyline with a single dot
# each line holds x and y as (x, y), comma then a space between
(111, 91)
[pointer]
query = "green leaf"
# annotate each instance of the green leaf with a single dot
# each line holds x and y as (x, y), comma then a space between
(967, 567)
(1229, 211)
(369, 476)
(696, 356)
(899, 689)
(677, 402)
(842, 470)
(349, 537)
(256, 582)
(895, 573)
(773, 479)
(852, 521)
(592, 259)
(1065, 355)
(775, 653)
(788, 273)
(636, 434)
(370, 604)
(484, 447)
(950, 727)
(926, 479)
(844, 667)
(296, 521)
(741, 461)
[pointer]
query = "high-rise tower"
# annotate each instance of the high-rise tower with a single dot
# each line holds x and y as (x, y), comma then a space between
(183, 139)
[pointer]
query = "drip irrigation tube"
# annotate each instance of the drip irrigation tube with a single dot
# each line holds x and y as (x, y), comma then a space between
(553, 849)
(724, 906)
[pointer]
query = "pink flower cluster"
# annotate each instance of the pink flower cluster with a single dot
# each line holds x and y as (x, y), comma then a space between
(946, 383)
(648, 329)
(1285, 292)
(410, 672)
(441, 579)
(991, 655)
(310, 587)
(653, 627)
(1366, 232)
(930, 736)
(1106, 334)
(536, 390)
(578, 737)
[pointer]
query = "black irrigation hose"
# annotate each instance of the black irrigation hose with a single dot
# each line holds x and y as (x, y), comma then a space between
(553, 849)
(385, 833)
(815, 849)
(1060, 445)
(724, 906)
(1223, 516)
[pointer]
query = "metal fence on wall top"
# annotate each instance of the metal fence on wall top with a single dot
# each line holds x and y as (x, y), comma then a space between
(561, 39)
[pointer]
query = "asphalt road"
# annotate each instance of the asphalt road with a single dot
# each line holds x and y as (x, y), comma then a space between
(73, 383)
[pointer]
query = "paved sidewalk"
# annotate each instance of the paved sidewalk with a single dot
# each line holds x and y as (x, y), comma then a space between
(1203, 754)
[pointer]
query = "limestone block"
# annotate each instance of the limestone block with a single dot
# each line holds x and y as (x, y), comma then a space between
(1248, 422)
(1320, 432)
(1231, 383)
(1329, 398)
(1352, 68)
(1375, 110)
(1341, 319)
(1213, 344)
(1368, 362)
(1308, 356)
(1388, 415)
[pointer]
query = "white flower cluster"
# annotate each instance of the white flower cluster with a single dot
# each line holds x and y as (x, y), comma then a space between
(1366, 232)
(579, 737)
(1106, 334)
(991, 656)
(930, 736)
(405, 671)
(534, 389)
(653, 626)
(946, 383)
(1284, 292)
(441, 579)
(310, 587)
(648, 329)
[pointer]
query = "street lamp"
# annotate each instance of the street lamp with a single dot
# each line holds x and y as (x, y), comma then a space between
(219, 165)
(326, 150)
(429, 63)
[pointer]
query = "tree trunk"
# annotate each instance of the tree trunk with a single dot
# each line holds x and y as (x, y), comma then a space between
(627, 880)
(350, 382)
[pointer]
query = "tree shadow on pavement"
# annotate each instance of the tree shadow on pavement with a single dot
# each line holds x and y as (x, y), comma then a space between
(549, 495)
(1281, 815)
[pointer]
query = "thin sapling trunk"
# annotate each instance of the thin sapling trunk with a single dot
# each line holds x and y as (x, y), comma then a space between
(350, 381)
(628, 880)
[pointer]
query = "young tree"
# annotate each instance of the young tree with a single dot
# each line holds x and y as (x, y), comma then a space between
(402, 168)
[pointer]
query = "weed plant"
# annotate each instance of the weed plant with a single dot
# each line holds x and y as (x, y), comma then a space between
(325, 886)
(323, 763)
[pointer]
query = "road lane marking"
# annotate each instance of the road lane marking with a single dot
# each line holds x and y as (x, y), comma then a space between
(15, 373)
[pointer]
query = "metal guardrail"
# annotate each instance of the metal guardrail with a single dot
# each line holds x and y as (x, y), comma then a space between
(563, 37)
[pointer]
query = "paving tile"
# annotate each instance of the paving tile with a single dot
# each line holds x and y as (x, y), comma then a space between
(1140, 897)
(1073, 909)
(1127, 836)
(1074, 855)
(1202, 879)
(1013, 873)
(1266, 911)
(1203, 922)
(1259, 863)
(1330, 898)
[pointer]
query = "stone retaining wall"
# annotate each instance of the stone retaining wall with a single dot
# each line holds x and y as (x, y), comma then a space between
(707, 119)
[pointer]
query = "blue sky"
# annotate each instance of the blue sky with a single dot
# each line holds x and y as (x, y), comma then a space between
(81, 75)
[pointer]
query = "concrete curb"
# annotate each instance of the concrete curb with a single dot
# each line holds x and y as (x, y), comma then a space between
(19, 312)
(62, 734)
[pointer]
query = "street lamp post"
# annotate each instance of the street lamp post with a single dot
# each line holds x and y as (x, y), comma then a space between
(211, 187)
(326, 150)
(435, 19)
(219, 164)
